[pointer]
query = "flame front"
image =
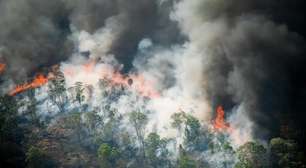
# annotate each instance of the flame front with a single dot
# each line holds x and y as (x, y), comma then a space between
(91, 71)
(2, 67)
(38, 81)
(219, 123)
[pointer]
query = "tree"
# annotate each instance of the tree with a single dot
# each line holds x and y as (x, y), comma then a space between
(177, 120)
(184, 160)
(93, 121)
(57, 91)
(191, 127)
(37, 158)
(284, 153)
(156, 151)
(139, 121)
(79, 90)
(251, 155)
(31, 107)
(73, 121)
(11, 134)
(108, 155)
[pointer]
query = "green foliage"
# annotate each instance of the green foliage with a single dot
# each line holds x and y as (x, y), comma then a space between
(177, 120)
(8, 118)
(37, 158)
(186, 162)
(284, 153)
(251, 155)
(108, 155)
(138, 118)
(115, 146)
(192, 129)
(156, 150)
(57, 91)
(93, 121)
(73, 120)
(11, 134)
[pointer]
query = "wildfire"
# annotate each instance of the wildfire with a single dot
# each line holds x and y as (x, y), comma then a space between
(93, 71)
(89, 66)
(2, 67)
(219, 123)
(143, 86)
(38, 81)
(138, 82)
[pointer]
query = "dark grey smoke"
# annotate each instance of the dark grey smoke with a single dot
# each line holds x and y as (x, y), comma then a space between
(34, 33)
(254, 64)
(258, 63)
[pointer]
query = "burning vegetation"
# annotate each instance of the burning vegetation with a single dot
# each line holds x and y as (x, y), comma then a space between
(219, 123)
(2, 67)
(38, 81)
(134, 82)
(128, 84)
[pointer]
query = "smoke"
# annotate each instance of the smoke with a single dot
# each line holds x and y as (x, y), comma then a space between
(31, 36)
(35, 34)
(190, 55)
(246, 54)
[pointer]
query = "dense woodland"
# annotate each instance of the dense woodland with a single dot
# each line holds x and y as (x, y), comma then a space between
(85, 136)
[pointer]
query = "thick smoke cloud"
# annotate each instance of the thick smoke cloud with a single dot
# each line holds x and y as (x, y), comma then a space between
(32, 35)
(242, 54)
(248, 56)
(35, 34)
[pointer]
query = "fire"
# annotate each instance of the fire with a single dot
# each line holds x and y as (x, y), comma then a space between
(2, 67)
(38, 81)
(89, 66)
(91, 71)
(219, 123)
(137, 82)
(143, 86)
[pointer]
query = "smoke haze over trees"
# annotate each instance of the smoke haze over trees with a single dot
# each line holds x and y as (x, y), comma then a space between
(137, 83)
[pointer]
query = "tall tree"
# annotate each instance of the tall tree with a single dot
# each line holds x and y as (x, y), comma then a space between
(108, 155)
(139, 121)
(156, 151)
(57, 91)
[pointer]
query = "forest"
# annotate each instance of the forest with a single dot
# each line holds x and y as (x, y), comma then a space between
(71, 132)
(152, 84)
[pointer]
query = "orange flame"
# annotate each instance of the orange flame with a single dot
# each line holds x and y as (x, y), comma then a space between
(38, 81)
(138, 82)
(89, 66)
(219, 123)
(2, 67)
(144, 87)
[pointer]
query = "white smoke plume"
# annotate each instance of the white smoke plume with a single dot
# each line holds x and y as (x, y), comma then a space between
(224, 56)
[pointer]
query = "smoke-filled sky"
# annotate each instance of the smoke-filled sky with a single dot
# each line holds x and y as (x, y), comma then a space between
(246, 55)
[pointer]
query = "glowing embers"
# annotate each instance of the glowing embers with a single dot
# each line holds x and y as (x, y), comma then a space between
(2, 67)
(219, 123)
(38, 81)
